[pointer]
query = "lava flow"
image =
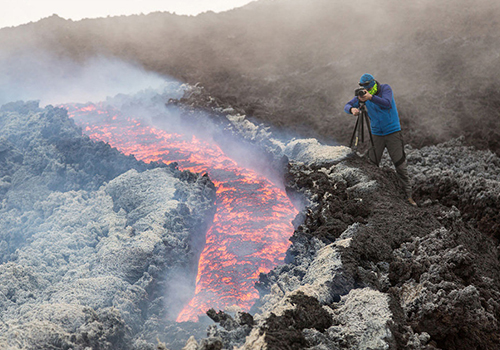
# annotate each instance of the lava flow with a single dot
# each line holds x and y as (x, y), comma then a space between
(252, 224)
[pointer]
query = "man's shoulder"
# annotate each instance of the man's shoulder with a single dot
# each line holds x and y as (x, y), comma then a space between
(383, 89)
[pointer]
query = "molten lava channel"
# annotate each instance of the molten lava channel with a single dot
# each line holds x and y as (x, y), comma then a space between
(252, 225)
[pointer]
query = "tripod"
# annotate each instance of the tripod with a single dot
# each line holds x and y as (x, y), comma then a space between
(359, 129)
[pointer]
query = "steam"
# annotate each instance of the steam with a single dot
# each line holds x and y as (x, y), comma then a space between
(295, 63)
(292, 63)
(54, 80)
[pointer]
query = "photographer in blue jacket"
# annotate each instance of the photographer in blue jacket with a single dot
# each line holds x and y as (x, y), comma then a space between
(385, 127)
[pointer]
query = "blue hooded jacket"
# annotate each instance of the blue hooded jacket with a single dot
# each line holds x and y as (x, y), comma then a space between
(384, 118)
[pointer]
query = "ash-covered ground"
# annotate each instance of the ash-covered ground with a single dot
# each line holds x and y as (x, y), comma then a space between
(365, 270)
(97, 249)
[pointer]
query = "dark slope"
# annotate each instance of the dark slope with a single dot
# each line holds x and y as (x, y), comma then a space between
(295, 63)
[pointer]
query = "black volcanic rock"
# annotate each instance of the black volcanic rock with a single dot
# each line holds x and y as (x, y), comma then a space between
(458, 175)
(390, 275)
(285, 331)
(365, 269)
(411, 278)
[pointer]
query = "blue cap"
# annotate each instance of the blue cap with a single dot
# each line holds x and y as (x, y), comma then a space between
(367, 78)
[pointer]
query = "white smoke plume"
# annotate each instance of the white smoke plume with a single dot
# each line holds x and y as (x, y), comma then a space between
(51, 79)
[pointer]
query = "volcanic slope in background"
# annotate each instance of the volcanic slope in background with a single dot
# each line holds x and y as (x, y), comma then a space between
(295, 63)
(90, 239)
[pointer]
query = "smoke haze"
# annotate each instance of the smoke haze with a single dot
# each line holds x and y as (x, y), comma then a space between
(295, 63)
(55, 80)
(289, 63)
(292, 64)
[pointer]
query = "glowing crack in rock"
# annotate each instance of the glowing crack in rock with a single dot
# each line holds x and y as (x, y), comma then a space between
(252, 225)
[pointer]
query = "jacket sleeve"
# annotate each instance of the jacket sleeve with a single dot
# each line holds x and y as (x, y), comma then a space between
(352, 103)
(384, 98)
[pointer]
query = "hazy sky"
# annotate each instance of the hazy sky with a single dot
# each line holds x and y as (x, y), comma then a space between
(16, 12)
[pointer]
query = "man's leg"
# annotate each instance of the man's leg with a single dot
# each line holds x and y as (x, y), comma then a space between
(395, 147)
(375, 153)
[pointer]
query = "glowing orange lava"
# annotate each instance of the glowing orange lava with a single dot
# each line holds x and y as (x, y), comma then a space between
(252, 224)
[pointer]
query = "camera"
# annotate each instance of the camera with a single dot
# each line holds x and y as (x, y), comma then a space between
(359, 92)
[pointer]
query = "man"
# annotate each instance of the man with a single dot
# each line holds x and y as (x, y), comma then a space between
(385, 127)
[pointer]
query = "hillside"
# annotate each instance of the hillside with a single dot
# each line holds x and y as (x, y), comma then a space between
(294, 63)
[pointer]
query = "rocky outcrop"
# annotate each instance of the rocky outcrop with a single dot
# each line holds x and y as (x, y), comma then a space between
(389, 276)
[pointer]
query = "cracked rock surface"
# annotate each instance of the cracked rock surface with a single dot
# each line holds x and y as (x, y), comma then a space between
(91, 241)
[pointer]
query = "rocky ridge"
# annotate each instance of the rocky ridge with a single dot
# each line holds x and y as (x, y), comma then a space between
(368, 271)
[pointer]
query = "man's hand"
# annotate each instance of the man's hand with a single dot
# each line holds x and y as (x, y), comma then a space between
(367, 96)
(354, 111)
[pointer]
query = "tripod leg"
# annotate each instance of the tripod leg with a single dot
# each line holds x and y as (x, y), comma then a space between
(371, 141)
(353, 134)
(362, 129)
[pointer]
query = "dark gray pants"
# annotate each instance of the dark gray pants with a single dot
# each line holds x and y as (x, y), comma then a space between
(395, 146)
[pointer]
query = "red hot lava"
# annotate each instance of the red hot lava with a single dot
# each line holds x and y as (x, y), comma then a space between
(252, 224)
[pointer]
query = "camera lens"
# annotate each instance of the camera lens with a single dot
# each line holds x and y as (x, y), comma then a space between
(359, 92)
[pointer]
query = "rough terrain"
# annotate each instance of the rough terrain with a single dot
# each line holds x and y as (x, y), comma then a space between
(368, 271)
(94, 244)
(365, 270)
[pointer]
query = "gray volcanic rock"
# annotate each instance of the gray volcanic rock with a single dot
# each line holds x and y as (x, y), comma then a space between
(87, 260)
(458, 175)
(360, 322)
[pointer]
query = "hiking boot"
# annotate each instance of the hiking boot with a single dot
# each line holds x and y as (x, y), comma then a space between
(412, 202)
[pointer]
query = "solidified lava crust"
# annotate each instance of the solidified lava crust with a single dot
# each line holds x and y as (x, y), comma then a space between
(438, 266)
